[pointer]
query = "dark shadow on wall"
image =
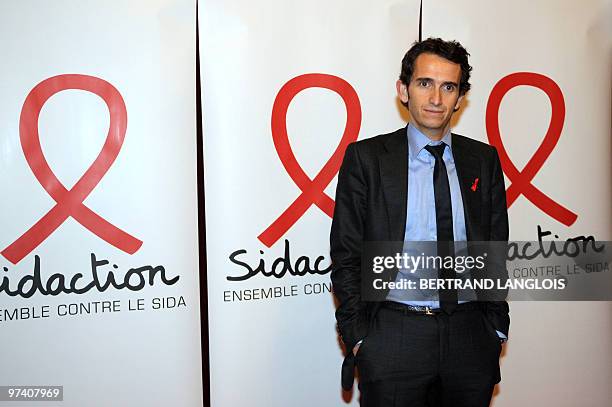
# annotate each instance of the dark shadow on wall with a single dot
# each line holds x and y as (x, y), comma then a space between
(202, 230)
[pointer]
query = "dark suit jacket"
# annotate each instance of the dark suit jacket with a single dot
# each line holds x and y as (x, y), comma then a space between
(371, 200)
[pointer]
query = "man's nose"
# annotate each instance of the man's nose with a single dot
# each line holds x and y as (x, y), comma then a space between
(435, 98)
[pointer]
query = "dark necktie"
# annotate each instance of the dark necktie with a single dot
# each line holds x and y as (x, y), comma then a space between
(444, 225)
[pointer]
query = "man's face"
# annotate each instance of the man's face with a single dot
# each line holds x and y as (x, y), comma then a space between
(432, 94)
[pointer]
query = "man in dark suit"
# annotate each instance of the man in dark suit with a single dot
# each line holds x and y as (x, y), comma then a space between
(420, 183)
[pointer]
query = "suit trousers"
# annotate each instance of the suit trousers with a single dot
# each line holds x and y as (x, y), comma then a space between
(416, 360)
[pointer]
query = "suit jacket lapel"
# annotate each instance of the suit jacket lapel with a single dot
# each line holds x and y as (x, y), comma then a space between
(468, 172)
(394, 180)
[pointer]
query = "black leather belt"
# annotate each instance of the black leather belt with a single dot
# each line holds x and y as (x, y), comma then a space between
(423, 310)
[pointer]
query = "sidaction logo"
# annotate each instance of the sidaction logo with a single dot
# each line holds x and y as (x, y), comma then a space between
(69, 203)
(312, 190)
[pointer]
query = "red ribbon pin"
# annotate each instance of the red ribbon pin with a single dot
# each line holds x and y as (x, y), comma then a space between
(312, 189)
(70, 202)
(521, 180)
(475, 185)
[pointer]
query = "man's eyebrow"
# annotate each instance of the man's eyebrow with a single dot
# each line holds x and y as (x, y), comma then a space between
(423, 79)
(450, 83)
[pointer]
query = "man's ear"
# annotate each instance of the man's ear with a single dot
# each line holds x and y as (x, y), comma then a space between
(402, 91)
(458, 104)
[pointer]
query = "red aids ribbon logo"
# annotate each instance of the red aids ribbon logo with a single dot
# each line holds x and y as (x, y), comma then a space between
(312, 189)
(70, 202)
(521, 180)
(475, 185)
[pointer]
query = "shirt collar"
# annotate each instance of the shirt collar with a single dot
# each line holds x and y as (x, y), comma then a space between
(417, 141)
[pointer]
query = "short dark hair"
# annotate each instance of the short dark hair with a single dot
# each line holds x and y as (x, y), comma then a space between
(451, 50)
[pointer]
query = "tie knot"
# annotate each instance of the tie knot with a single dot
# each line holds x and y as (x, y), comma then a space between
(436, 151)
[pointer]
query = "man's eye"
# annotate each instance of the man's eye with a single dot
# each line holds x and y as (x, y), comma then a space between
(424, 83)
(449, 87)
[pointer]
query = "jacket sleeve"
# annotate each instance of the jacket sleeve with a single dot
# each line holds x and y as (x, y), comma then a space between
(347, 235)
(497, 311)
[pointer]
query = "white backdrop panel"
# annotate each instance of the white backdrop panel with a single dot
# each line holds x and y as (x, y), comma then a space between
(146, 51)
(284, 351)
(559, 354)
